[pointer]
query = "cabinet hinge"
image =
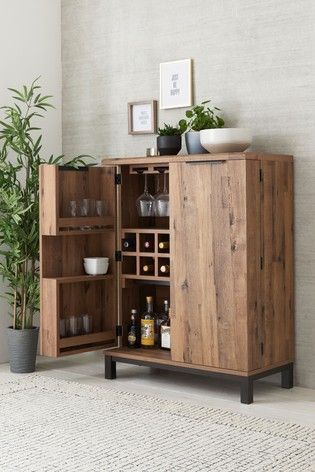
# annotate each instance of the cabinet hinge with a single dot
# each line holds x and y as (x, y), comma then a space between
(117, 179)
(261, 263)
(261, 175)
(262, 348)
(119, 330)
(118, 256)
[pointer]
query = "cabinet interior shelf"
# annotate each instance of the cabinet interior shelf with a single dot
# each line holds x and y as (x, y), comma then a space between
(79, 278)
(85, 339)
(148, 278)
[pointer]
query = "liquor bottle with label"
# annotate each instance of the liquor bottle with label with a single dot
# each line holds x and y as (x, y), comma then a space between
(166, 333)
(128, 244)
(133, 330)
(164, 246)
(148, 268)
(165, 269)
(147, 325)
(160, 318)
(148, 245)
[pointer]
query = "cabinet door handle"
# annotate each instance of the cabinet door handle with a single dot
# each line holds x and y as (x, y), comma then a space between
(218, 161)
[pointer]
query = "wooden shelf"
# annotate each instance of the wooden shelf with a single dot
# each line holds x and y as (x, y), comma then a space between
(86, 339)
(79, 278)
(145, 277)
(145, 230)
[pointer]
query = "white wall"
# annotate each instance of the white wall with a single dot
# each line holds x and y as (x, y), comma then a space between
(30, 41)
(255, 58)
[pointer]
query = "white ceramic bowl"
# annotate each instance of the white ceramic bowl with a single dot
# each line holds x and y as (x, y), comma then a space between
(96, 265)
(226, 139)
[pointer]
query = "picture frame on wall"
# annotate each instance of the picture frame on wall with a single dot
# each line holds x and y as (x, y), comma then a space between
(176, 84)
(142, 117)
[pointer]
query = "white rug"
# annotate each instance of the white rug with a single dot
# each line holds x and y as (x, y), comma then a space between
(51, 425)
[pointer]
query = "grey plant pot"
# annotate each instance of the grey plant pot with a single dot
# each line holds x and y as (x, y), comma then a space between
(192, 139)
(22, 349)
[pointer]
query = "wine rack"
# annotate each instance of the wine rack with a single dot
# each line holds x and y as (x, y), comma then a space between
(146, 258)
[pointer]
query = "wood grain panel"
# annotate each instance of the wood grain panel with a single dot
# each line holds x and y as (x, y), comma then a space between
(208, 241)
(49, 199)
(49, 323)
(278, 270)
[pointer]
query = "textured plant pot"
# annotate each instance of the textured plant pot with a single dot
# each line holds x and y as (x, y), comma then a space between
(22, 349)
(169, 145)
(193, 145)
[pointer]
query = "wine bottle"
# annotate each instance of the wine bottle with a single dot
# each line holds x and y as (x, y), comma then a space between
(147, 325)
(148, 245)
(159, 319)
(165, 334)
(128, 244)
(133, 330)
(165, 269)
(164, 245)
(148, 268)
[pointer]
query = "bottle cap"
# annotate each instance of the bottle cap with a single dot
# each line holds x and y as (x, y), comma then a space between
(149, 299)
(134, 311)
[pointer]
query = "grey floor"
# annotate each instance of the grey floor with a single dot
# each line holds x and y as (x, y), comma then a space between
(270, 401)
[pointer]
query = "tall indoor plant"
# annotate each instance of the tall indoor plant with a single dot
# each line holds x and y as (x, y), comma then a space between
(200, 117)
(20, 158)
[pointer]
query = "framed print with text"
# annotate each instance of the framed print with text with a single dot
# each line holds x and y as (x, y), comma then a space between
(176, 84)
(142, 117)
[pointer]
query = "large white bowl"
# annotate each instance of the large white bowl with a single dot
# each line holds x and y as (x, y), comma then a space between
(226, 139)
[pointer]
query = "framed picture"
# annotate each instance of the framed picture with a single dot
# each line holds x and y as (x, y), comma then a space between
(142, 117)
(176, 84)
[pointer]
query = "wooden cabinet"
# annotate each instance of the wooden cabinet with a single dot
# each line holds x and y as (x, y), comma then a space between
(230, 253)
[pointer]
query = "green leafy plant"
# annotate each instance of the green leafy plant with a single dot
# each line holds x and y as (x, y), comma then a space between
(202, 117)
(169, 130)
(20, 158)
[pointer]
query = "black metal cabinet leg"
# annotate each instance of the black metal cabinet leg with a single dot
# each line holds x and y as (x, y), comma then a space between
(110, 368)
(287, 376)
(247, 390)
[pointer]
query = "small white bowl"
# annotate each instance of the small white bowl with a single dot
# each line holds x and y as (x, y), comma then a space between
(226, 139)
(96, 265)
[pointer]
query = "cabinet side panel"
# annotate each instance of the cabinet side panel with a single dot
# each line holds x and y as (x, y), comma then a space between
(49, 330)
(253, 218)
(278, 271)
(48, 199)
(208, 256)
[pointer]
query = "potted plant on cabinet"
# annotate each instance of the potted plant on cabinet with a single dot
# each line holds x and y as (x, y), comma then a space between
(169, 141)
(19, 218)
(200, 117)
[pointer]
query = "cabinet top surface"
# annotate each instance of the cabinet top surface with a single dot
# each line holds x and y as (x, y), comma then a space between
(196, 158)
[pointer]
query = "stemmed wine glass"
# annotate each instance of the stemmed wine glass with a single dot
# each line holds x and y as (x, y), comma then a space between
(157, 190)
(145, 203)
(162, 200)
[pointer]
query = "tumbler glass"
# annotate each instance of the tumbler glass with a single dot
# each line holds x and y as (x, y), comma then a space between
(87, 327)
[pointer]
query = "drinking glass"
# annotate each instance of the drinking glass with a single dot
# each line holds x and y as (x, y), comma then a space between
(100, 207)
(63, 327)
(87, 327)
(157, 191)
(73, 208)
(145, 203)
(162, 201)
(75, 325)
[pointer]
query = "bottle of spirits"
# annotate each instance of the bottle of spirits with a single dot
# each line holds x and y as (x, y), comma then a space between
(166, 333)
(148, 245)
(147, 325)
(160, 318)
(164, 246)
(133, 330)
(165, 269)
(148, 268)
(128, 244)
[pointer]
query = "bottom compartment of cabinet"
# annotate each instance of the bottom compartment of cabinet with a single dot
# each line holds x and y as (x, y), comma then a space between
(68, 305)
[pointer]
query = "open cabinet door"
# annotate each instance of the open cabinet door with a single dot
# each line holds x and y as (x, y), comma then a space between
(66, 290)
(209, 260)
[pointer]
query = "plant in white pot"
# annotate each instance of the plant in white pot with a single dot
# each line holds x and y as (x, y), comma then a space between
(200, 117)
(20, 158)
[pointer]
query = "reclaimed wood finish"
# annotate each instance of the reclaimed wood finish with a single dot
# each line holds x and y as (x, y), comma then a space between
(208, 286)
(277, 289)
(194, 158)
(49, 199)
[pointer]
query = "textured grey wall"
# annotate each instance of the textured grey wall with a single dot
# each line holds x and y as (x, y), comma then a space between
(255, 59)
